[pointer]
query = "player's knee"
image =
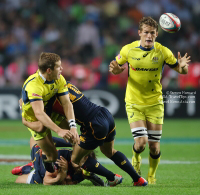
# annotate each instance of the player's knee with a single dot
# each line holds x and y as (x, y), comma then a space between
(108, 152)
(139, 147)
(52, 157)
(140, 143)
(154, 148)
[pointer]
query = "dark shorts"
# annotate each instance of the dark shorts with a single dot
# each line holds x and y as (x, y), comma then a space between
(100, 129)
(39, 174)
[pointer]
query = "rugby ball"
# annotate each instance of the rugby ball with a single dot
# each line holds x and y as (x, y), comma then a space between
(170, 22)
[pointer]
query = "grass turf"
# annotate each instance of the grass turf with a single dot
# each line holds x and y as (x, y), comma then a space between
(172, 179)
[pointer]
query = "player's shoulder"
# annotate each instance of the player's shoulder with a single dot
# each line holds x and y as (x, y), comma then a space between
(159, 46)
(132, 45)
(61, 79)
(32, 82)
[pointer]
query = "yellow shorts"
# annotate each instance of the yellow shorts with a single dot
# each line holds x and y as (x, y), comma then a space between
(56, 118)
(151, 113)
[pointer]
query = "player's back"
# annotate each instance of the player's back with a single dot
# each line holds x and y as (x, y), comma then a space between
(84, 109)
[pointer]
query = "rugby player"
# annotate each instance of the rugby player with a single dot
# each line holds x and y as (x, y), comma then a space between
(144, 101)
(64, 174)
(38, 93)
(97, 128)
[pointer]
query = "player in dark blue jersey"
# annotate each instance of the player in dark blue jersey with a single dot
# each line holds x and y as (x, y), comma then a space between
(64, 172)
(97, 129)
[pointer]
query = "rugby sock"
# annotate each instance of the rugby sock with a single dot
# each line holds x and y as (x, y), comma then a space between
(26, 169)
(92, 165)
(153, 164)
(49, 166)
(121, 161)
(136, 154)
(59, 142)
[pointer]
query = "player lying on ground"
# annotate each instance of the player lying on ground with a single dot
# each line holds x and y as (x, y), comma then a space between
(64, 173)
(38, 93)
(97, 129)
(144, 101)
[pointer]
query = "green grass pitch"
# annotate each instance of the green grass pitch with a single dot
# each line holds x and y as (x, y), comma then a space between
(178, 173)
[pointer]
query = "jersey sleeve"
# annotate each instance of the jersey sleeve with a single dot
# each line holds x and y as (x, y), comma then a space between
(121, 57)
(169, 58)
(32, 92)
(63, 89)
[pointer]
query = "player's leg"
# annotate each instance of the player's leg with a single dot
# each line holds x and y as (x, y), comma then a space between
(122, 162)
(154, 136)
(78, 153)
(92, 165)
(137, 121)
(22, 178)
(139, 133)
(49, 152)
(155, 116)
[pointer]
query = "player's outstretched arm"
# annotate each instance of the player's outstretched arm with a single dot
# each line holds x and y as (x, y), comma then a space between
(69, 113)
(38, 108)
(114, 68)
(183, 64)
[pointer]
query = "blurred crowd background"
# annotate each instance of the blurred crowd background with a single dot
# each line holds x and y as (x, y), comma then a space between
(88, 34)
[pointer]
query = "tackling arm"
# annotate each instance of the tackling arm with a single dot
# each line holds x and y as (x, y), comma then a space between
(38, 108)
(69, 113)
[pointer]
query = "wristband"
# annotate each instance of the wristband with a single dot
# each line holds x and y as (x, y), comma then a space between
(72, 123)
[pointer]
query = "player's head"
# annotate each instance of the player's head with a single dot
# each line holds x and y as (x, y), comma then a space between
(50, 63)
(148, 31)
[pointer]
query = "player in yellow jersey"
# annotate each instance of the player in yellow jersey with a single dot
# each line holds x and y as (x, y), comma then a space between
(39, 93)
(144, 102)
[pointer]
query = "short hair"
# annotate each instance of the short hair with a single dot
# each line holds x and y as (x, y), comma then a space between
(47, 60)
(148, 21)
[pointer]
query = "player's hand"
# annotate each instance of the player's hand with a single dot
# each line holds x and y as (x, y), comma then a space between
(75, 134)
(66, 135)
(183, 61)
(62, 163)
(114, 68)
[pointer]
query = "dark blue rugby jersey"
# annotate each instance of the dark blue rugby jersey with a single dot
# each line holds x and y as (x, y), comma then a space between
(84, 109)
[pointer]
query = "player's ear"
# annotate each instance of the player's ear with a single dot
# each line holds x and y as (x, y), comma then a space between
(156, 33)
(139, 33)
(49, 70)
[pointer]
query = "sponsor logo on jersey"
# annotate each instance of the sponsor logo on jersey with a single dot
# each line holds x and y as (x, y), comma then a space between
(145, 55)
(143, 69)
(155, 59)
(36, 95)
(136, 58)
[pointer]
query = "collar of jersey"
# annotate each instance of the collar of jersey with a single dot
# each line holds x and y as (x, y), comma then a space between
(45, 81)
(145, 49)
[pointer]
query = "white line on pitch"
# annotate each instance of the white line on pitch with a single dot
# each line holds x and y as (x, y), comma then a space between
(101, 160)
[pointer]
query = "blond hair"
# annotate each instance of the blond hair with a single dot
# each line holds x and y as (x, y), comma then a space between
(148, 21)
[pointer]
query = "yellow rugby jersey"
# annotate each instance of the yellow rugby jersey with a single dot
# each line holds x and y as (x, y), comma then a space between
(145, 71)
(37, 88)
